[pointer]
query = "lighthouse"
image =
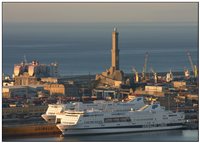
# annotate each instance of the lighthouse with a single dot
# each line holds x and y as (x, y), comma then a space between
(113, 76)
(115, 50)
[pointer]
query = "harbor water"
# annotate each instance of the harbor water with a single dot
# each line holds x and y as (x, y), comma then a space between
(155, 136)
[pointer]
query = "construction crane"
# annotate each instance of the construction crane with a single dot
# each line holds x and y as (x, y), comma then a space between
(155, 75)
(136, 75)
(145, 66)
(194, 67)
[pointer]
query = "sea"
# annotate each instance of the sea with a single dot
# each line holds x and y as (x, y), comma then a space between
(85, 48)
(155, 136)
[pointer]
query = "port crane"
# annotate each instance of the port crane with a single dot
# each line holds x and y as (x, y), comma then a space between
(155, 75)
(194, 67)
(136, 75)
(145, 66)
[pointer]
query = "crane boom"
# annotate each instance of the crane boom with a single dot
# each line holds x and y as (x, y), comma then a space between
(194, 67)
(152, 70)
(145, 62)
(145, 65)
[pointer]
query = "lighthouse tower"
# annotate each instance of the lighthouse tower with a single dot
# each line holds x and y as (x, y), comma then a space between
(115, 50)
(113, 76)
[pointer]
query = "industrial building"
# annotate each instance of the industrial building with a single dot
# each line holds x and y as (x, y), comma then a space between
(30, 73)
(36, 69)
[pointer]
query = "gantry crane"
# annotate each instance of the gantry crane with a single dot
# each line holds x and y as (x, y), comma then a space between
(194, 67)
(136, 75)
(145, 66)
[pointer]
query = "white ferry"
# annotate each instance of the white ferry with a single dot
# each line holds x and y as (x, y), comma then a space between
(57, 109)
(148, 118)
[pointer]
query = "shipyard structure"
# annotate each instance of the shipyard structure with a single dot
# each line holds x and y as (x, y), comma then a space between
(112, 77)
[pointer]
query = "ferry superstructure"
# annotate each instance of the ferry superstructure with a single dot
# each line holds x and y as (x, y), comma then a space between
(148, 118)
(56, 109)
(53, 109)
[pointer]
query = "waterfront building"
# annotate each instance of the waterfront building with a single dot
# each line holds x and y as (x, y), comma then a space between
(55, 89)
(178, 84)
(12, 91)
(22, 91)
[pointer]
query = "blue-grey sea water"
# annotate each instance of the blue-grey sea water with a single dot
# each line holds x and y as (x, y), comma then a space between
(155, 136)
(80, 48)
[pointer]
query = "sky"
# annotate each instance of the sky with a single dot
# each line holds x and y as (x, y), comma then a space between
(99, 12)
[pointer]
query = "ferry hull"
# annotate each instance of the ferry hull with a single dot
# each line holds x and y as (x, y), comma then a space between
(29, 129)
(72, 131)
